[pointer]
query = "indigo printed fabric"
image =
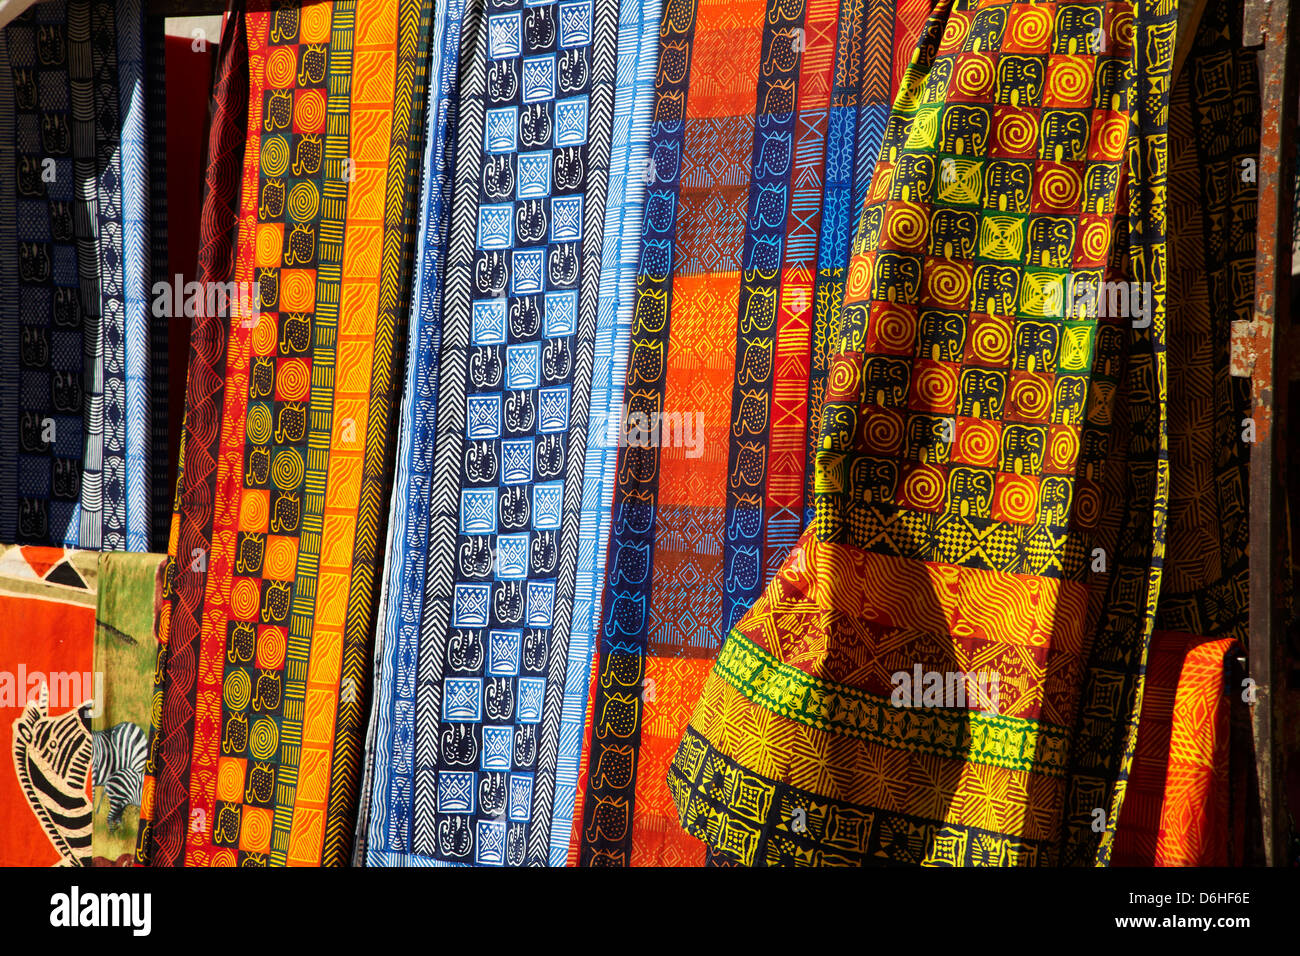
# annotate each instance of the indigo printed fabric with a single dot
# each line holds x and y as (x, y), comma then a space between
(474, 761)
(76, 331)
(631, 173)
(520, 680)
(386, 786)
(992, 485)
(767, 117)
(257, 754)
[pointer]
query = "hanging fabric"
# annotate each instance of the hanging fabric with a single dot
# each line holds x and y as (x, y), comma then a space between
(288, 434)
(767, 119)
(1178, 808)
(478, 719)
(992, 476)
(77, 331)
(46, 699)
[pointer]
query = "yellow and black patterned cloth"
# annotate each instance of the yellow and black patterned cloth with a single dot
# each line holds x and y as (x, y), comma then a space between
(993, 474)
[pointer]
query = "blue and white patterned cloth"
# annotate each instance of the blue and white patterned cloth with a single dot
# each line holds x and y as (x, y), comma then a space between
(76, 327)
(504, 480)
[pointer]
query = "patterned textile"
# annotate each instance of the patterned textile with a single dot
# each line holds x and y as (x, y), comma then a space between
(992, 489)
(126, 623)
(402, 596)
(76, 330)
(478, 719)
(47, 693)
(1176, 812)
(767, 119)
(1176, 809)
(256, 754)
(75, 686)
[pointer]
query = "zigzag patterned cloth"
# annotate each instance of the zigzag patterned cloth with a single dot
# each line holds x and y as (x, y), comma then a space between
(275, 551)
(767, 117)
(1176, 810)
(486, 641)
(77, 335)
(993, 483)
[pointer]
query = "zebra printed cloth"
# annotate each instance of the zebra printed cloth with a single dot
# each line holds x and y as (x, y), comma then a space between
(129, 609)
(79, 391)
(276, 544)
(76, 686)
(767, 117)
(46, 698)
(485, 640)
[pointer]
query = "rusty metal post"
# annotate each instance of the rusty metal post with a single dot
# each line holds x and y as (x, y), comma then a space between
(1257, 346)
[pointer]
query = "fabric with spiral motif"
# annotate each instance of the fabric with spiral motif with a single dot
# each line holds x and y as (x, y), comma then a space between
(77, 335)
(277, 541)
(992, 487)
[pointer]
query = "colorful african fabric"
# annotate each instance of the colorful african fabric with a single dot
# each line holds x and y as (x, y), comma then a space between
(1176, 808)
(47, 696)
(76, 681)
(1176, 812)
(386, 786)
(476, 755)
(256, 752)
(126, 619)
(77, 334)
(767, 119)
(992, 486)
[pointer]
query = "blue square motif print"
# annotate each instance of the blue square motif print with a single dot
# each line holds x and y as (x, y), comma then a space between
(491, 840)
(489, 322)
(496, 226)
(512, 557)
(504, 34)
(497, 742)
(539, 78)
(503, 653)
(470, 605)
(571, 121)
(561, 314)
(534, 175)
(575, 23)
(553, 409)
(478, 511)
(517, 461)
(532, 690)
(526, 271)
(521, 797)
(548, 499)
(462, 700)
(499, 129)
(541, 605)
(483, 416)
(523, 365)
(456, 791)
(566, 218)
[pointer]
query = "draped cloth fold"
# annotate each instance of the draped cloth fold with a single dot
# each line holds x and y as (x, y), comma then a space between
(992, 476)
(289, 432)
